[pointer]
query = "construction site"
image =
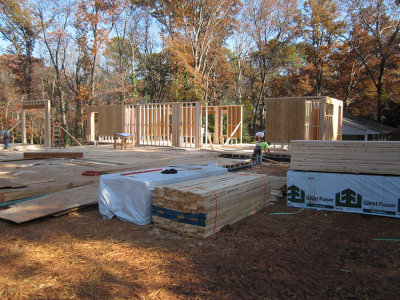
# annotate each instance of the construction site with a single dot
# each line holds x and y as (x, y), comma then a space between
(157, 206)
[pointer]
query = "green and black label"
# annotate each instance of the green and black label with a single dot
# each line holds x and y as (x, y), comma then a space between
(348, 198)
(295, 194)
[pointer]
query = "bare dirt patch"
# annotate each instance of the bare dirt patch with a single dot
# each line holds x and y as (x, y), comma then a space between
(311, 254)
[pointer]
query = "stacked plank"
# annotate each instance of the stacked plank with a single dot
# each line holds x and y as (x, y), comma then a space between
(356, 157)
(277, 184)
(202, 207)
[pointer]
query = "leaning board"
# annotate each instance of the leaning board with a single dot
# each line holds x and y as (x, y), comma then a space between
(358, 157)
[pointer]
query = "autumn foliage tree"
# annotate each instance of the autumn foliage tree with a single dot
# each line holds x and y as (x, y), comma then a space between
(195, 30)
(374, 37)
(18, 27)
(321, 28)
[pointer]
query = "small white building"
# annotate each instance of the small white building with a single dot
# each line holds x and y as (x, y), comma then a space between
(364, 130)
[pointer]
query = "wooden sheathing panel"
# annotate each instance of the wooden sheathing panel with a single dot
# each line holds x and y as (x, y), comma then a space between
(357, 157)
(285, 119)
(177, 120)
(297, 127)
(110, 119)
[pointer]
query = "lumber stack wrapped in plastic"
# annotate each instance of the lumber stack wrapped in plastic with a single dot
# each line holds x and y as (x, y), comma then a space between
(202, 207)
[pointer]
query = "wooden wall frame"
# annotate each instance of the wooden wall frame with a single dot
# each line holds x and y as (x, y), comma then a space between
(37, 104)
(169, 124)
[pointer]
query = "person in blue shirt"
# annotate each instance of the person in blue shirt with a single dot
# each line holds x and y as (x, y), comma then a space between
(6, 138)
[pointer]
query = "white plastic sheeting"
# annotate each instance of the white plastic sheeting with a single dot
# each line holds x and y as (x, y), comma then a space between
(368, 194)
(128, 195)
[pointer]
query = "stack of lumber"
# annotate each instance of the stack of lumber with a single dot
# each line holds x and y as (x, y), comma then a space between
(202, 207)
(277, 184)
(358, 157)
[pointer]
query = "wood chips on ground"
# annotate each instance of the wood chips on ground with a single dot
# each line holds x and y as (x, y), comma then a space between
(311, 254)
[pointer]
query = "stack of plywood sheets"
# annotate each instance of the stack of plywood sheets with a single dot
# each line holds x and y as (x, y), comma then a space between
(202, 207)
(355, 157)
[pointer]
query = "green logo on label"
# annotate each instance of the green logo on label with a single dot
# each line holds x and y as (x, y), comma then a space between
(295, 194)
(348, 198)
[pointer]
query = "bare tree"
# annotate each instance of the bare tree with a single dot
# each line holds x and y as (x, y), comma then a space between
(55, 18)
(272, 25)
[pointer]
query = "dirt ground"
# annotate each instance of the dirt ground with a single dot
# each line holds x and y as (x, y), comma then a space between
(306, 255)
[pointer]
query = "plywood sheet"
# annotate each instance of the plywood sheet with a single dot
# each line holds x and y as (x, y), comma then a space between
(285, 119)
(110, 118)
(51, 204)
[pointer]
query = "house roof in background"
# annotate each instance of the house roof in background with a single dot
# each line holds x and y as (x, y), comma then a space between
(368, 126)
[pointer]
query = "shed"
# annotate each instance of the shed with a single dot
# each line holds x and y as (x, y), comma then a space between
(303, 118)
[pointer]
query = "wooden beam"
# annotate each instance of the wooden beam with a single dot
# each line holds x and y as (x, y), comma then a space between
(209, 140)
(232, 134)
(34, 155)
(34, 106)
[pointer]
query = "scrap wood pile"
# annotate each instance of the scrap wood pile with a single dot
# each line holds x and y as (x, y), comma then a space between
(202, 207)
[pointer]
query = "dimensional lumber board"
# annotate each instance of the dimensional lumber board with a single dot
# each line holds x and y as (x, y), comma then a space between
(50, 204)
(35, 155)
(202, 207)
(346, 157)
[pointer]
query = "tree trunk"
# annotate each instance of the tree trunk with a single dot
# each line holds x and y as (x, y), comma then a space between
(379, 102)
(78, 118)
